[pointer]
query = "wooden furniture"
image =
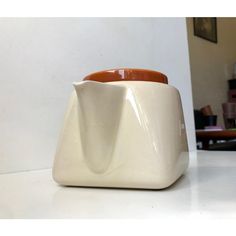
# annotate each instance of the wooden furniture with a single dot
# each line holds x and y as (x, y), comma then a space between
(205, 136)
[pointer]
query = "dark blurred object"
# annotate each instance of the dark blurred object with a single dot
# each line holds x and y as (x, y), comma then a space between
(207, 137)
(229, 114)
(199, 119)
(204, 120)
(225, 146)
(232, 95)
(207, 111)
(232, 84)
(210, 120)
(229, 108)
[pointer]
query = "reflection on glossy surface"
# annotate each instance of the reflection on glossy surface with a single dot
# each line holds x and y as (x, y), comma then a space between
(124, 203)
(128, 74)
(207, 189)
(134, 104)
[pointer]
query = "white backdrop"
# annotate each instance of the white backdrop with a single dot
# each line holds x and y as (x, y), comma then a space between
(40, 58)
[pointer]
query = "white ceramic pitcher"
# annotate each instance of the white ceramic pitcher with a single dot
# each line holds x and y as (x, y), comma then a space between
(123, 128)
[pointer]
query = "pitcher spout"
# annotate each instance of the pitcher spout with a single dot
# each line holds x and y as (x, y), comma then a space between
(100, 109)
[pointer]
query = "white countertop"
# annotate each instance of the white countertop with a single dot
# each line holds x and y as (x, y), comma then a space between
(207, 189)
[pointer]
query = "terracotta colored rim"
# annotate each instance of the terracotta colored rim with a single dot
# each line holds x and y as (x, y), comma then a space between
(128, 74)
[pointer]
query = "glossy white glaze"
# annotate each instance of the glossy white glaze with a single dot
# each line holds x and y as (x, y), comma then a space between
(122, 134)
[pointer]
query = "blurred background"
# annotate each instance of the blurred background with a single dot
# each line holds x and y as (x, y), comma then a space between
(212, 51)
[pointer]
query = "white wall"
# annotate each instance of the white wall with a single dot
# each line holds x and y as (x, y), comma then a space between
(40, 58)
(212, 65)
(170, 55)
